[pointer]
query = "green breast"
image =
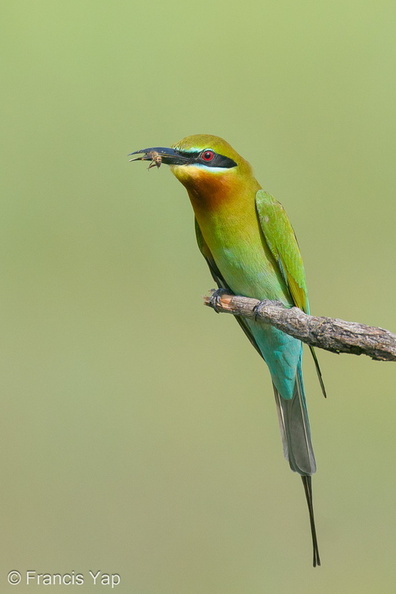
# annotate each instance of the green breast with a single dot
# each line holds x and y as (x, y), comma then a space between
(243, 256)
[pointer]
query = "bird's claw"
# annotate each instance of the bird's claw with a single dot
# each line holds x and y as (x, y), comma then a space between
(215, 299)
(257, 309)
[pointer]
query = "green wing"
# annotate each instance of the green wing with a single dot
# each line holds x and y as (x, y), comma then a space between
(281, 239)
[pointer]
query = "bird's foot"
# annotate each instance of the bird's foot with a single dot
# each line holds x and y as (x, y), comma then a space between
(215, 298)
(257, 310)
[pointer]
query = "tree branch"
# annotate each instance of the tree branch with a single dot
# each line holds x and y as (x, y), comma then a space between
(331, 334)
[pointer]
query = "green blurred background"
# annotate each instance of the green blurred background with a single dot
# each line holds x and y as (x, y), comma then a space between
(138, 429)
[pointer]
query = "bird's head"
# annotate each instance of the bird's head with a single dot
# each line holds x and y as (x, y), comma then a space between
(207, 165)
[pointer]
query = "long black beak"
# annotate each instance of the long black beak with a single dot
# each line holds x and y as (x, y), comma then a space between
(160, 154)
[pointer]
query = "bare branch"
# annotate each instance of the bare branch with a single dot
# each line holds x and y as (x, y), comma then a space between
(331, 334)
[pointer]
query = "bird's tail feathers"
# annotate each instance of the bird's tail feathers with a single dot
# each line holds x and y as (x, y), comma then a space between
(307, 482)
(297, 446)
(295, 430)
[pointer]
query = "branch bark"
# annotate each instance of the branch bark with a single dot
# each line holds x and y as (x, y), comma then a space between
(331, 334)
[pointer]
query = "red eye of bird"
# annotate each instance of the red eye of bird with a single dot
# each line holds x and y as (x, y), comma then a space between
(207, 155)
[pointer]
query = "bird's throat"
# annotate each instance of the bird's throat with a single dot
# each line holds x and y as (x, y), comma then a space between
(215, 193)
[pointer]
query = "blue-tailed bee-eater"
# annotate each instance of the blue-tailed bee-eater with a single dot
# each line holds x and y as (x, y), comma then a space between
(250, 247)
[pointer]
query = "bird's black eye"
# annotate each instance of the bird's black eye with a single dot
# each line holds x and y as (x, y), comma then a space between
(207, 156)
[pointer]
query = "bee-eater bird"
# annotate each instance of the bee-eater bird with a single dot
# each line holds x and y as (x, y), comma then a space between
(250, 247)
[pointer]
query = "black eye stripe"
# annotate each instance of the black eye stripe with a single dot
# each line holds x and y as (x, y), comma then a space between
(217, 161)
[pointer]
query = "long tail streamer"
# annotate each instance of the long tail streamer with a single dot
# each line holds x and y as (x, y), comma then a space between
(307, 482)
